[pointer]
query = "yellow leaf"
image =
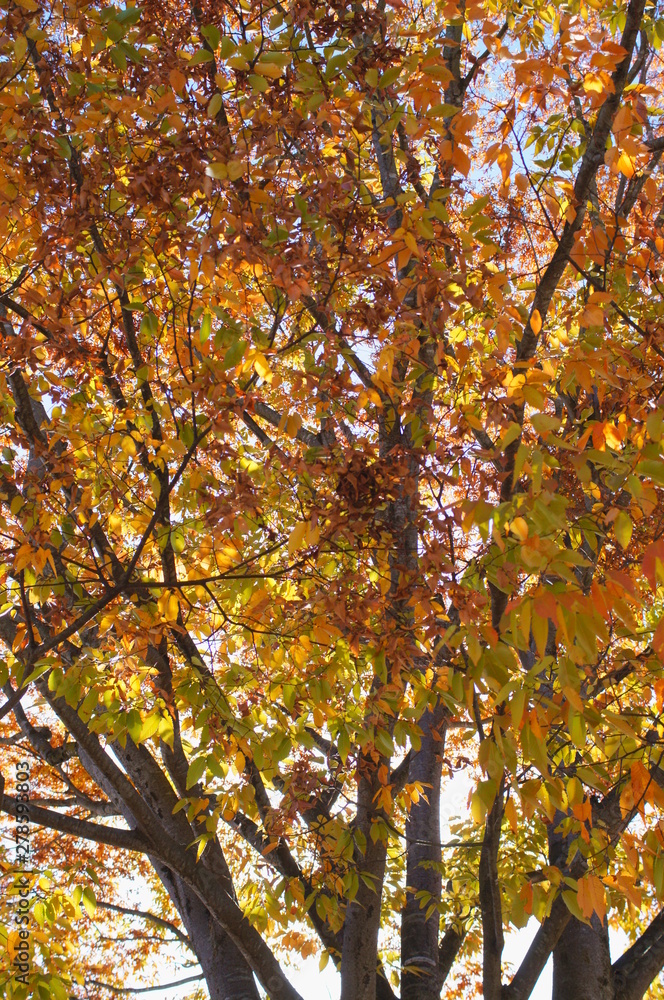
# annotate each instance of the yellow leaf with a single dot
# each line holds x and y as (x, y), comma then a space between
(169, 605)
(20, 47)
(478, 809)
(262, 368)
(128, 445)
(641, 782)
(270, 70)
(214, 107)
(410, 242)
(115, 522)
(623, 528)
(217, 170)
(296, 537)
(235, 169)
(574, 698)
(89, 901)
(517, 705)
(592, 315)
(519, 527)
(510, 813)
(626, 801)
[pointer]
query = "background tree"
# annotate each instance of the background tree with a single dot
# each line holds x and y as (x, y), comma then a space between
(332, 465)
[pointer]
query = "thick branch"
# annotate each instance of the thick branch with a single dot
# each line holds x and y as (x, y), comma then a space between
(637, 967)
(126, 840)
(448, 950)
(537, 956)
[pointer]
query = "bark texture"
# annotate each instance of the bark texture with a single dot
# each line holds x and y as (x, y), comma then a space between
(421, 975)
(582, 962)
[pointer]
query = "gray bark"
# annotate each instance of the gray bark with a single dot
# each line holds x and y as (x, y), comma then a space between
(362, 923)
(582, 962)
(637, 968)
(490, 902)
(421, 975)
(227, 975)
(581, 957)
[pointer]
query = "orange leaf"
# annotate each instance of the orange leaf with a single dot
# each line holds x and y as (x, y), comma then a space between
(535, 321)
(591, 896)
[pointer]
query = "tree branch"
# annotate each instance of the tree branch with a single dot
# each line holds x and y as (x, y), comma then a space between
(126, 840)
(124, 990)
(146, 915)
(592, 159)
(448, 950)
(545, 940)
(634, 971)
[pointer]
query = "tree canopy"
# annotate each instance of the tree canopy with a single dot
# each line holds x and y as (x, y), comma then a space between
(331, 375)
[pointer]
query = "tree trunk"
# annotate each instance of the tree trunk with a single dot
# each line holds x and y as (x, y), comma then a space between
(582, 962)
(359, 958)
(227, 974)
(581, 958)
(420, 978)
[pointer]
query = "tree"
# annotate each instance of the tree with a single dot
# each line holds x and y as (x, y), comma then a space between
(332, 465)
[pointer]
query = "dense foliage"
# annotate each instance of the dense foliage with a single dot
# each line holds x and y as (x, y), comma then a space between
(332, 466)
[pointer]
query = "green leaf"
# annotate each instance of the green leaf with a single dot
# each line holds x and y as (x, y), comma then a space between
(258, 83)
(196, 771)
(134, 725)
(654, 425)
(20, 47)
(130, 15)
(389, 76)
(149, 324)
(202, 55)
(652, 469)
(234, 354)
(477, 206)
(64, 146)
(383, 743)
(119, 58)
(343, 744)
(115, 31)
(577, 727)
(212, 35)
(228, 47)
(570, 900)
